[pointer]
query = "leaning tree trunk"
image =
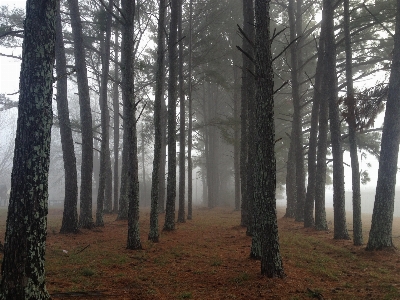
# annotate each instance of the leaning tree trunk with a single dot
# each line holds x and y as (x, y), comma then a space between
(172, 84)
(340, 227)
(265, 219)
(105, 116)
(181, 196)
(155, 182)
(380, 235)
(85, 216)
(70, 214)
(23, 267)
(355, 170)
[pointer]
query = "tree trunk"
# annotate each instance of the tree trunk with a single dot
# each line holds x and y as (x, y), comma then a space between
(22, 271)
(105, 116)
(236, 145)
(265, 219)
(355, 170)
(85, 216)
(320, 213)
(155, 182)
(116, 120)
(313, 140)
(181, 209)
(291, 180)
(130, 134)
(340, 227)
(297, 137)
(190, 127)
(144, 193)
(163, 159)
(70, 214)
(169, 224)
(380, 235)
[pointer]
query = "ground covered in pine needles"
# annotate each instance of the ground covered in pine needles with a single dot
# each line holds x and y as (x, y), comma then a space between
(208, 258)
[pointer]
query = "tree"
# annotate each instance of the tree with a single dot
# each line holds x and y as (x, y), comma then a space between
(380, 236)
(22, 271)
(340, 228)
(181, 209)
(155, 182)
(172, 89)
(355, 170)
(85, 216)
(70, 214)
(105, 117)
(247, 94)
(265, 220)
(116, 118)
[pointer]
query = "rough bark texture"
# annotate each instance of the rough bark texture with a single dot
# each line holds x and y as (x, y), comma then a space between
(355, 170)
(172, 85)
(70, 214)
(130, 134)
(105, 116)
(155, 182)
(182, 181)
(331, 94)
(291, 180)
(85, 216)
(265, 220)
(190, 125)
(380, 235)
(163, 159)
(23, 267)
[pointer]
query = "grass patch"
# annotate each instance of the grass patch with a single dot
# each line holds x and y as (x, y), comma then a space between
(87, 272)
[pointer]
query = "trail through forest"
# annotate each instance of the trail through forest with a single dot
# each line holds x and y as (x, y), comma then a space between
(208, 258)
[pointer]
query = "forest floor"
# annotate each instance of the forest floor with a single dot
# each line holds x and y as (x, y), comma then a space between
(208, 258)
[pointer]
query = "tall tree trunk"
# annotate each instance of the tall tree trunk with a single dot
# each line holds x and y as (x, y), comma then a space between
(116, 119)
(130, 134)
(355, 170)
(236, 145)
(70, 214)
(297, 137)
(155, 182)
(380, 235)
(340, 227)
(190, 117)
(250, 94)
(320, 212)
(248, 20)
(105, 116)
(313, 140)
(22, 270)
(265, 219)
(172, 84)
(163, 159)
(144, 193)
(85, 216)
(181, 209)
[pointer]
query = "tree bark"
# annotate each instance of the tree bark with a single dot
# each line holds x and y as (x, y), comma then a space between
(70, 214)
(130, 134)
(105, 116)
(380, 235)
(85, 216)
(340, 227)
(265, 219)
(23, 266)
(169, 224)
(182, 183)
(155, 182)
